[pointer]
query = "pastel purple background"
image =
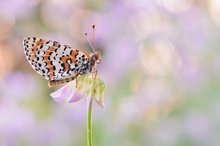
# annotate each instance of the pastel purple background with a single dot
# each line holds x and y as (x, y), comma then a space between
(160, 62)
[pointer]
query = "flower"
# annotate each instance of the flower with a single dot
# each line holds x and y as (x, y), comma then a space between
(86, 86)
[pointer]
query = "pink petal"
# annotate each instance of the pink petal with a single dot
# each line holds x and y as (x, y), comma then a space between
(68, 93)
(63, 94)
(77, 96)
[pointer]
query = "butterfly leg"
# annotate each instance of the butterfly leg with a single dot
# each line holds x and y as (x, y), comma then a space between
(94, 72)
(77, 73)
(76, 81)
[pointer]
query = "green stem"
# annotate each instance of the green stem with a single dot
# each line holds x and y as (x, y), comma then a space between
(89, 123)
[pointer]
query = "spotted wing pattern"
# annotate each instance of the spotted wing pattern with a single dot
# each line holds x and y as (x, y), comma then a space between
(54, 61)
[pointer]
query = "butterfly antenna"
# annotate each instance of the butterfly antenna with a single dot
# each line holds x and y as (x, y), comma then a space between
(86, 35)
(93, 35)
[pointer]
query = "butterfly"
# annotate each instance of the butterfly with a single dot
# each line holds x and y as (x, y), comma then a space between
(59, 63)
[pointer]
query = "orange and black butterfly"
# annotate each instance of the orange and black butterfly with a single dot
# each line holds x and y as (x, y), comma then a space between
(59, 63)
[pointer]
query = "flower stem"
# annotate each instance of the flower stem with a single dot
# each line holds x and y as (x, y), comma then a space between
(89, 123)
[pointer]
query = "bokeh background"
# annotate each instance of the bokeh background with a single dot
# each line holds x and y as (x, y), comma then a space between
(160, 63)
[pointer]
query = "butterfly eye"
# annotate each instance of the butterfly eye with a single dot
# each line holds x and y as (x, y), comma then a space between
(96, 57)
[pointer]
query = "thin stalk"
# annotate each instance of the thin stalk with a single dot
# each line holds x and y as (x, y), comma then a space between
(89, 123)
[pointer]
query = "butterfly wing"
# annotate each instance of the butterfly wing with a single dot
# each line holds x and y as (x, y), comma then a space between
(53, 60)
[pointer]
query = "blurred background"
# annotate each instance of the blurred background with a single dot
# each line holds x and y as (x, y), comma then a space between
(160, 63)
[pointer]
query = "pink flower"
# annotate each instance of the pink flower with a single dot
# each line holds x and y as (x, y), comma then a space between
(86, 87)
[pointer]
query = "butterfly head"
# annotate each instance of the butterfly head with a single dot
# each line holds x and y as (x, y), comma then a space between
(96, 56)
